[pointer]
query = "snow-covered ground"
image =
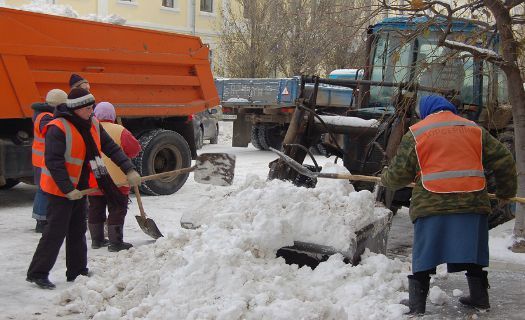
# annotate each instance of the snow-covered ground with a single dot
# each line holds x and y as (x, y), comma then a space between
(226, 269)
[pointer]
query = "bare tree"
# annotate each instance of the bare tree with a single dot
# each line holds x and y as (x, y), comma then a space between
(259, 38)
(488, 16)
(248, 38)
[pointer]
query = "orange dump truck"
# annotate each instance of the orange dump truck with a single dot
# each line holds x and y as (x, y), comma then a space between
(156, 80)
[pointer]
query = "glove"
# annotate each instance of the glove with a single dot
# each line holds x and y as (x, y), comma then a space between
(74, 195)
(133, 178)
(503, 202)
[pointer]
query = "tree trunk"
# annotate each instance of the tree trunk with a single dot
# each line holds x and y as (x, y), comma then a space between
(517, 100)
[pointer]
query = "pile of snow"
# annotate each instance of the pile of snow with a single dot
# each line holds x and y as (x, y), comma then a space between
(42, 6)
(112, 18)
(226, 268)
(501, 239)
(275, 213)
(349, 121)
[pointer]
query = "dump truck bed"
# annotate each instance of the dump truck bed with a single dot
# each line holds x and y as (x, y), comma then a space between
(142, 72)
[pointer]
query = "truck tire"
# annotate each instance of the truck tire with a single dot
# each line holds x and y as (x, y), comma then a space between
(9, 183)
(271, 136)
(215, 138)
(255, 137)
(199, 139)
(162, 150)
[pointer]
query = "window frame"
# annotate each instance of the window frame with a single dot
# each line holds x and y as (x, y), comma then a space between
(212, 11)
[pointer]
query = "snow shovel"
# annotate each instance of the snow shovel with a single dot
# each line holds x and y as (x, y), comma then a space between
(210, 168)
(314, 175)
(146, 224)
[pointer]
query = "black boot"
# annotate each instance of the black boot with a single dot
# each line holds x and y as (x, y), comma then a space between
(40, 224)
(97, 235)
(115, 235)
(417, 295)
(42, 283)
(478, 287)
(71, 278)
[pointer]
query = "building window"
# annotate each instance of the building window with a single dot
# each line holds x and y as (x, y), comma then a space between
(168, 3)
(207, 6)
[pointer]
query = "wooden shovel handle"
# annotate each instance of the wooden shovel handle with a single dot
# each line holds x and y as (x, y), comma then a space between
(374, 179)
(146, 178)
(139, 201)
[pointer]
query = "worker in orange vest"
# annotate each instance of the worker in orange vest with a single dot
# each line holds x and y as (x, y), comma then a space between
(105, 113)
(43, 114)
(446, 156)
(74, 141)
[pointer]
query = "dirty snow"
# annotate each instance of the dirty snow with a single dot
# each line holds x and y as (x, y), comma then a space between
(348, 121)
(226, 268)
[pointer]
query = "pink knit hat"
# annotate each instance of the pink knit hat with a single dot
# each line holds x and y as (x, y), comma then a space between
(105, 111)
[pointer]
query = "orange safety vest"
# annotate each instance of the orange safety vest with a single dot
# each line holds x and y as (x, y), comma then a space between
(115, 132)
(37, 149)
(449, 150)
(74, 154)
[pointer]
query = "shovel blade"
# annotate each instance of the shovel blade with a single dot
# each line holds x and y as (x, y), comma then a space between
(295, 165)
(215, 168)
(149, 227)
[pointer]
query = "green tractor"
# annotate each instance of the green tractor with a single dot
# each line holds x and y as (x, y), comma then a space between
(405, 62)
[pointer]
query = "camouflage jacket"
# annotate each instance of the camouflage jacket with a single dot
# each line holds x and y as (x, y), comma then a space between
(404, 169)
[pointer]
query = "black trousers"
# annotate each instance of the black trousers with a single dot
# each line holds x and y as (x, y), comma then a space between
(471, 268)
(97, 210)
(66, 219)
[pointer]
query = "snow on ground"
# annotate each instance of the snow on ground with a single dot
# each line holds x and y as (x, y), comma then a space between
(226, 268)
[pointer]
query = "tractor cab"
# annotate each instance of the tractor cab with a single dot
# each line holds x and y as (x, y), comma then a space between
(405, 54)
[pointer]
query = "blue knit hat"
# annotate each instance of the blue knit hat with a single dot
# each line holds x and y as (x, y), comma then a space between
(434, 103)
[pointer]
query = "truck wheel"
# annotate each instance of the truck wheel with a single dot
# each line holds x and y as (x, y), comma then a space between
(9, 183)
(215, 138)
(199, 139)
(162, 150)
(255, 137)
(271, 136)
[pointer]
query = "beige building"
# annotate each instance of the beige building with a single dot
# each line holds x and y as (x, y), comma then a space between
(197, 17)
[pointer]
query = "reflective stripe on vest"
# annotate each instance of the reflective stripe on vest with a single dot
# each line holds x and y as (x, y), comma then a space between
(74, 154)
(449, 151)
(37, 149)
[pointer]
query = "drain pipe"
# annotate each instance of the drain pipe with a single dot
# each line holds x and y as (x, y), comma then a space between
(102, 8)
(193, 16)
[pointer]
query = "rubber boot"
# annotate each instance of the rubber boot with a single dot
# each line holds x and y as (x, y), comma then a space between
(478, 288)
(417, 295)
(97, 235)
(115, 234)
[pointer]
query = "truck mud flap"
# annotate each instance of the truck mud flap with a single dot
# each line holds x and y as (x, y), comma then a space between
(373, 236)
